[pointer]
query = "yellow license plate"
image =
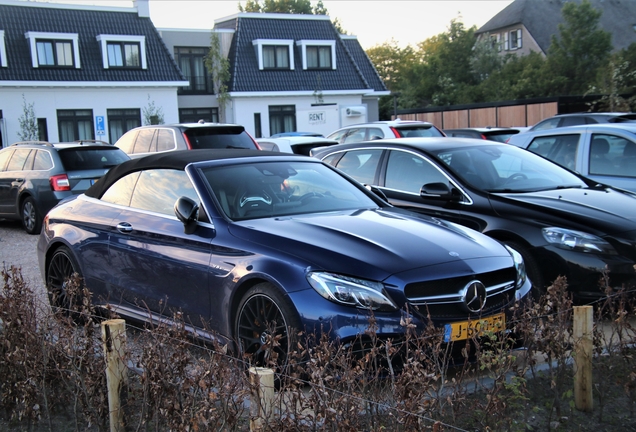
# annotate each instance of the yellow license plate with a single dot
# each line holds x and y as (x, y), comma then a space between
(467, 329)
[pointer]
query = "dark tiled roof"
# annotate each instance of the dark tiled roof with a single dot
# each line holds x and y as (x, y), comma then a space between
(542, 17)
(353, 70)
(365, 65)
(88, 23)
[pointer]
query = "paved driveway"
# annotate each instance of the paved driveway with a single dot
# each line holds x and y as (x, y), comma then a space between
(18, 248)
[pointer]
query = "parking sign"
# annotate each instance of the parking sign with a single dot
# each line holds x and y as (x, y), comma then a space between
(100, 125)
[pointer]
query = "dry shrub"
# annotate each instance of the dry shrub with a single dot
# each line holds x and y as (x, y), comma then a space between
(183, 386)
(49, 364)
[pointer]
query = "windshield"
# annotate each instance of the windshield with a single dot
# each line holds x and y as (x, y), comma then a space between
(506, 168)
(272, 189)
(219, 137)
(86, 158)
(418, 131)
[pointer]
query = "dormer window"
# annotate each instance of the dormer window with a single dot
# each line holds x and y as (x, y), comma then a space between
(123, 51)
(3, 50)
(275, 57)
(123, 54)
(54, 49)
(274, 53)
(318, 54)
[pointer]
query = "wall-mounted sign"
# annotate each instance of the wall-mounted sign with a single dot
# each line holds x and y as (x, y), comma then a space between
(317, 117)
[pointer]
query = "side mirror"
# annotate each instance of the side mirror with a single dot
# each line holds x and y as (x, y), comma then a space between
(186, 211)
(438, 191)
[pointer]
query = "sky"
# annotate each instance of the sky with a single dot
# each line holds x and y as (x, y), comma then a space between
(374, 22)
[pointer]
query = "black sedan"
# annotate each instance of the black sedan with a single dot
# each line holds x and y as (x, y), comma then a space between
(250, 243)
(560, 222)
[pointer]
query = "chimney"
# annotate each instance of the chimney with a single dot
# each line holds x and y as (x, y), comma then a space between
(143, 8)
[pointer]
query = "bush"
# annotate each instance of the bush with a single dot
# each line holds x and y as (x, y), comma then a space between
(52, 374)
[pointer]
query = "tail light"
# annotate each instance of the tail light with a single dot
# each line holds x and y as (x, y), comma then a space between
(396, 132)
(60, 183)
(254, 141)
(187, 141)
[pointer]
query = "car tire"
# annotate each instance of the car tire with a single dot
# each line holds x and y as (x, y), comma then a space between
(265, 315)
(532, 269)
(64, 294)
(30, 216)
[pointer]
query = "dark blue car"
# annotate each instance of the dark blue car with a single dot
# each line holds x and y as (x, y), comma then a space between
(250, 243)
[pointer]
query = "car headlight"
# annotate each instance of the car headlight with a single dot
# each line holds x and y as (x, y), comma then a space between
(577, 241)
(350, 291)
(520, 266)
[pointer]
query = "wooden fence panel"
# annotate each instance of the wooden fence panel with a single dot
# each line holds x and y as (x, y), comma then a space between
(482, 117)
(454, 119)
(512, 116)
(537, 112)
(502, 116)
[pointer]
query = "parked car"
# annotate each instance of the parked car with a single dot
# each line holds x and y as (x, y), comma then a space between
(603, 152)
(36, 175)
(384, 129)
(144, 140)
(294, 144)
(294, 134)
(561, 223)
(250, 244)
(573, 119)
(487, 133)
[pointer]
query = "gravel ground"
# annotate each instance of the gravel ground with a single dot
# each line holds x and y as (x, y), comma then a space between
(19, 249)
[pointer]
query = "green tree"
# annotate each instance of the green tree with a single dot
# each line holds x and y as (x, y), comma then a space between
(518, 78)
(278, 6)
(391, 63)
(28, 122)
(290, 7)
(443, 74)
(485, 59)
(612, 87)
(218, 66)
(575, 56)
(153, 115)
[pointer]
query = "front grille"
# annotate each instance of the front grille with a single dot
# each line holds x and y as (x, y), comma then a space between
(442, 299)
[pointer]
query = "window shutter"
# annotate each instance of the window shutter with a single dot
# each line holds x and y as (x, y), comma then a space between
(506, 41)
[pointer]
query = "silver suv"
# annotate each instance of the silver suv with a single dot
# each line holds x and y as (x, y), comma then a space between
(385, 129)
(145, 140)
(36, 175)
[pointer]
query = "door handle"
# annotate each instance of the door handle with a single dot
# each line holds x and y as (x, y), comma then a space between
(124, 227)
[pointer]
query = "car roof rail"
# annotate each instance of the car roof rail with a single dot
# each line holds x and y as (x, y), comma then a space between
(45, 143)
(91, 141)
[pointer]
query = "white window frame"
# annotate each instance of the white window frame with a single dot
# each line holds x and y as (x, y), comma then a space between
(305, 43)
(103, 39)
(506, 43)
(3, 52)
(516, 32)
(33, 37)
(259, 43)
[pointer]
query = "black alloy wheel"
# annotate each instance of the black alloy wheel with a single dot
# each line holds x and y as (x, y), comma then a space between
(264, 322)
(31, 220)
(64, 292)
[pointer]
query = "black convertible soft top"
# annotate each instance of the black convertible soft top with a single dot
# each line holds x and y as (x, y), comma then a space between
(172, 160)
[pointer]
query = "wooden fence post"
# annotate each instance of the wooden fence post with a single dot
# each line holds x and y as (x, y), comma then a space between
(262, 402)
(114, 338)
(583, 346)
